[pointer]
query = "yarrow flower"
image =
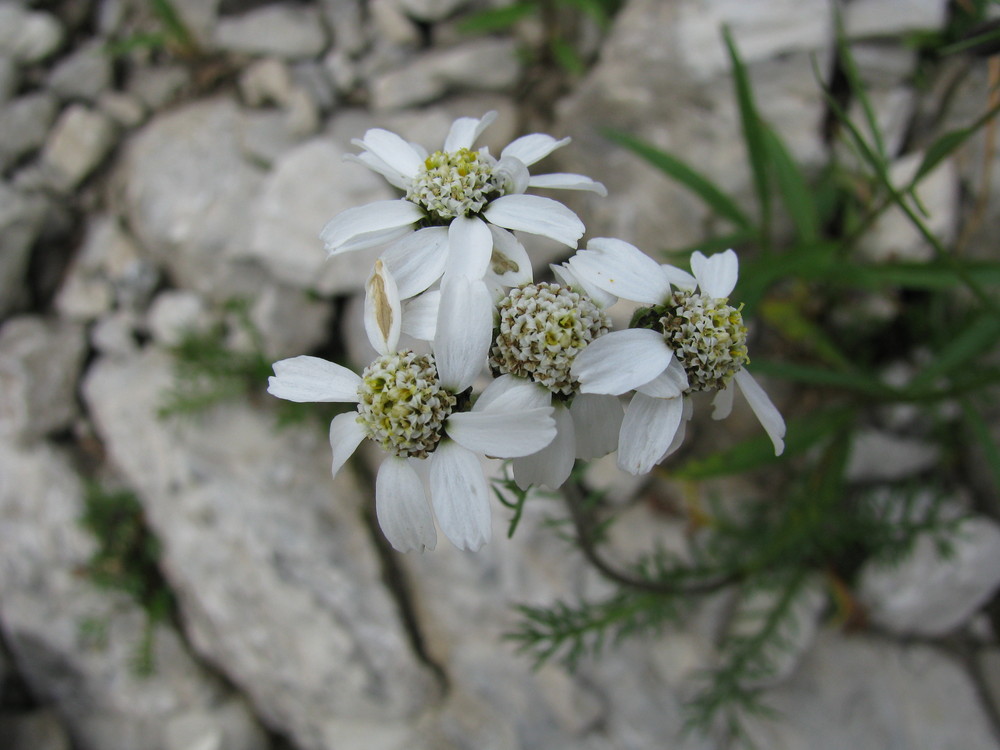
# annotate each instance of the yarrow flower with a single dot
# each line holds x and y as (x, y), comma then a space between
(688, 339)
(459, 207)
(418, 409)
(541, 329)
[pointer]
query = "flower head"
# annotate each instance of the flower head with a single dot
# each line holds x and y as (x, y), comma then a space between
(417, 409)
(459, 208)
(685, 339)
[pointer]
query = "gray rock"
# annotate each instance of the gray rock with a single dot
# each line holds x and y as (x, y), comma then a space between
(307, 188)
(116, 334)
(176, 313)
(125, 109)
(188, 192)
(346, 19)
(290, 31)
(47, 602)
(84, 74)
(344, 72)
(870, 694)
(39, 365)
(40, 729)
(484, 65)
(199, 16)
(929, 593)
(431, 10)
(22, 217)
(891, 18)
(289, 321)
(880, 456)
(24, 123)
(266, 81)
(312, 78)
(306, 628)
(77, 145)
(28, 36)
(8, 79)
(156, 86)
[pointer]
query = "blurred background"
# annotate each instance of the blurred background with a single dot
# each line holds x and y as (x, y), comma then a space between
(178, 570)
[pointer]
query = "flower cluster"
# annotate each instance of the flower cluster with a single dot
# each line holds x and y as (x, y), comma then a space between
(454, 277)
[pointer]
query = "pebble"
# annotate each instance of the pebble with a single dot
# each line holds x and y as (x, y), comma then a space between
(431, 10)
(83, 75)
(22, 217)
(77, 144)
(291, 32)
(24, 122)
(890, 18)
(880, 456)
(28, 36)
(174, 314)
(8, 79)
(125, 109)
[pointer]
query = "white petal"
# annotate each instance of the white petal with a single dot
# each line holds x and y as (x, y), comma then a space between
(688, 412)
(464, 332)
(567, 181)
(722, 403)
(460, 496)
(623, 270)
(393, 151)
(470, 246)
(512, 174)
(566, 276)
(598, 419)
(383, 311)
(533, 147)
(647, 431)
(717, 274)
(620, 361)
(767, 413)
(420, 315)
(670, 383)
(510, 393)
(369, 225)
(368, 159)
(679, 277)
(311, 379)
(417, 260)
(465, 130)
(509, 263)
(403, 513)
(536, 215)
(551, 466)
(345, 436)
(504, 434)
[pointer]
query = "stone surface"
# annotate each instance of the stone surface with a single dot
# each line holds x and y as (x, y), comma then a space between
(46, 602)
(156, 86)
(289, 31)
(176, 313)
(24, 123)
(28, 36)
(77, 144)
(929, 593)
(33, 730)
(306, 628)
(871, 694)
(40, 362)
(886, 18)
(8, 79)
(880, 456)
(188, 192)
(21, 221)
(85, 74)
(484, 65)
(431, 10)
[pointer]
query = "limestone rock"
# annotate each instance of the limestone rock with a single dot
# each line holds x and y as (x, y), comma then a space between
(28, 36)
(302, 622)
(40, 729)
(46, 602)
(21, 220)
(889, 18)
(431, 10)
(289, 31)
(39, 365)
(929, 593)
(84, 74)
(24, 122)
(188, 192)
(880, 456)
(78, 143)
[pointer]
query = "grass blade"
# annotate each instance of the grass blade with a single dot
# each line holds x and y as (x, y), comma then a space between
(793, 188)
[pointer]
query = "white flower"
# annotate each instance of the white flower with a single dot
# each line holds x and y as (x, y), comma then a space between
(541, 329)
(459, 207)
(686, 340)
(416, 408)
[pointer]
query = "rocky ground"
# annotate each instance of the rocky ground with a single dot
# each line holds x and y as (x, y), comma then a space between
(146, 184)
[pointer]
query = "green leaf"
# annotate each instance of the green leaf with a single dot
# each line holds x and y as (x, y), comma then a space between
(497, 19)
(978, 427)
(947, 143)
(793, 188)
(694, 181)
(858, 90)
(758, 451)
(568, 58)
(975, 339)
(754, 133)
